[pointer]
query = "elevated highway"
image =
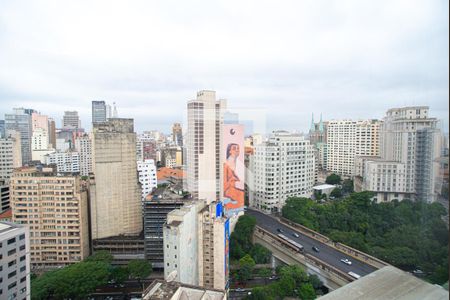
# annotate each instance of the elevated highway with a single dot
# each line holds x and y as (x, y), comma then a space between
(326, 263)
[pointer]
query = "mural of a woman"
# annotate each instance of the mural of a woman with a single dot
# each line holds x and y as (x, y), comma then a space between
(230, 180)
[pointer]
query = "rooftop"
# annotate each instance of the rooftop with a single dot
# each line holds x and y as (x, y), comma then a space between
(323, 187)
(388, 283)
(177, 291)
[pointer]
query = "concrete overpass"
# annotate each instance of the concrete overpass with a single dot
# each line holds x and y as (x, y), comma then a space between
(326, 263)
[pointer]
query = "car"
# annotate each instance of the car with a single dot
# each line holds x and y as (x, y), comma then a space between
(280, 230)
(239, 290)
(273, 277)
(346, 261)
(315, 249)
(295, 234)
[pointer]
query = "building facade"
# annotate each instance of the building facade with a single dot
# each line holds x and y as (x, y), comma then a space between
(15, 261)
(177, 134)
(99, 113)
(115, 193)
(196, 245)
(20, 121)
(347, 139)
(4, 196)
(155, 215)
(65, 162)
(83, 145)
(411, 138)
(147, 176)
(203, 146)
(282, 167)
(10, 154)
(71, 120)
(55, 209)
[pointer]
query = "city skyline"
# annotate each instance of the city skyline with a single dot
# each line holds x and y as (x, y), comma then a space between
(384, 55)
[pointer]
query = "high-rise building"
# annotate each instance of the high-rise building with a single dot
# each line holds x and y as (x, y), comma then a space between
(155, 215)
(71, 120)
(146, 147)
(65, 162)
(347, 139)
(177, 134)
(15, 261)
(51, 133)
(39, 121)
(99, 113)
(2, 129)
(39, 139)
(58, 222)
(282, 167)
(115, 195)
(10, 154)
(4, 195)
(203, 146)
(409, 147)
(196, 245)
(147, 176)
(83, 145)
(20, 120)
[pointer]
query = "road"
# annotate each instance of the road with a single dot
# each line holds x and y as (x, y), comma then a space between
(326, 254)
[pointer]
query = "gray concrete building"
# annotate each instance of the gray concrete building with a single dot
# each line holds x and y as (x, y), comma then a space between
(115, 192)
(14, 261)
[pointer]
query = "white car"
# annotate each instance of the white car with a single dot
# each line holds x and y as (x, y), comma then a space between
(346, 261)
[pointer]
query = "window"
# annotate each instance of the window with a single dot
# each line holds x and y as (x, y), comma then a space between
(10, 241)
(11, 252)
(22, 258)
(13, 273)
(12, 285)
(22, 237)
(22, 269)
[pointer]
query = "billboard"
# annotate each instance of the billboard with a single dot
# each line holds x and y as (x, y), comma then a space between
(227, 252)
(233, 168)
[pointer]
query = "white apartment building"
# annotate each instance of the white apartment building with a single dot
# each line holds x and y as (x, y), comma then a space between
(195, 241)
(147, 176)
(411, 138)
(282, 167)
(39, 139)
(14, 261)
(66, 162)
(10, 154)
(203, 142)
(347, 139)
(83, 145)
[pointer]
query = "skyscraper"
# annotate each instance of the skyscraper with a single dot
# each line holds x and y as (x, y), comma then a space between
(115, 195)
(10, 154)
(20, 120)
(177, 134)
(51, 133)
(99, 112)
(347, 139)
(2, 129)
(409, 147)
(282, 167)
(203, 145)
(83, 145)
(71, 120)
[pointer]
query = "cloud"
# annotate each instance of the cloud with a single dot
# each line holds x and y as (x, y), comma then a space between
(347, 59)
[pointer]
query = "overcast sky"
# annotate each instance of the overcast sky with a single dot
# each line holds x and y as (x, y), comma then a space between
(345, 59)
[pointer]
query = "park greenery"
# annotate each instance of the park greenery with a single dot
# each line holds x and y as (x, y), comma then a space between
(241, 242)
(292, 281)
(79, 280)
(333, 179)
(409, 235)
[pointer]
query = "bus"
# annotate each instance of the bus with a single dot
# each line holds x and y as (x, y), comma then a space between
(294, 243)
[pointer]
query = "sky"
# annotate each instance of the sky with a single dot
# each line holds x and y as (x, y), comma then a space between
(288, 59)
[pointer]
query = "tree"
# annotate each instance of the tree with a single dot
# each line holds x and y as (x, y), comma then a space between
(102, 255)
(333, 179)
(139, 269)
(307, 292)
(260, 293)
(336, 193)
(347, 186)
(315, 281)
(246, 265)
(260, 254)
(265, 273)
(119, 274)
